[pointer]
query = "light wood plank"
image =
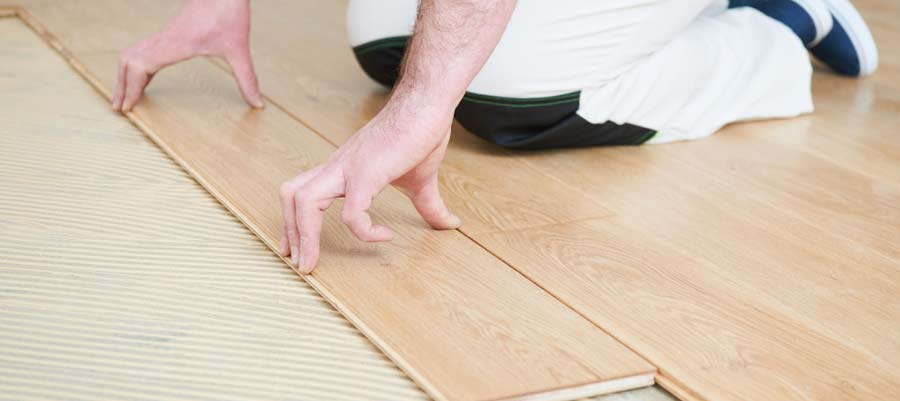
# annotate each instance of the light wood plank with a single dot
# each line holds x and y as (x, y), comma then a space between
(459, 321)
(712, 339)
(851, 115)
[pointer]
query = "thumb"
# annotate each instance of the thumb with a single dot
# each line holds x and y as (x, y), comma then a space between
(242, 67)
(431, 207)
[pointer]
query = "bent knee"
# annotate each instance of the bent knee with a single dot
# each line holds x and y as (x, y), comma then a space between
(380, 59)
(378, 32)
(541, 123)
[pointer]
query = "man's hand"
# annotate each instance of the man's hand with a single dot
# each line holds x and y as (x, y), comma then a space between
(405, 143)
(218, 28)
(405, 153)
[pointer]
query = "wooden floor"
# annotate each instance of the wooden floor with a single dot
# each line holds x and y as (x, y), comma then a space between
(761, 263)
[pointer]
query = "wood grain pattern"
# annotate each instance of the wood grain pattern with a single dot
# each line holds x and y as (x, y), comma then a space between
(459, 321)
(714, 336)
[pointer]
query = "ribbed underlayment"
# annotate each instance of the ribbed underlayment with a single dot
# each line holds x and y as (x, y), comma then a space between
(121, 278)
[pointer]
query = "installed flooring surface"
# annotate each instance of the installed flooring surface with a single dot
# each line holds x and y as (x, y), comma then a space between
(761, 263)
(33, 73)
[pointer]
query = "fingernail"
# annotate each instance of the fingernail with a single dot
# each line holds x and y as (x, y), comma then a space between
(259, 104)
(294, 256)
(302, 265)
(455, 221)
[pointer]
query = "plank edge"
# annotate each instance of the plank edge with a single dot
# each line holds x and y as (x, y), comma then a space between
(590, 390)
(9, 10)
(677, 389)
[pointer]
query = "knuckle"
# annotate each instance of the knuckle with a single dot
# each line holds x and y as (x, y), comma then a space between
(302, 198)
(348, 217)
(136, 66)
(357, 231)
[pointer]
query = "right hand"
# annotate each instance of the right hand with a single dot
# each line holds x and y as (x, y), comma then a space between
(404, 145)
(218, 28)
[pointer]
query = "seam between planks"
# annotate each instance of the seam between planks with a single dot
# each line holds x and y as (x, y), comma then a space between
(659, 372)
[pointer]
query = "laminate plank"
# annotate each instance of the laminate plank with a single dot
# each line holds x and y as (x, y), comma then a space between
(711, 341)
(456, 319)
(851, 115)
(835, 283)
(860, 208)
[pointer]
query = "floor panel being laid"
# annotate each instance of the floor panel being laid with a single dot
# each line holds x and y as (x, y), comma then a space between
(459, 321)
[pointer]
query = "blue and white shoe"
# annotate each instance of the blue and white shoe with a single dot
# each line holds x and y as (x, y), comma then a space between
(849, 48)
(810, 20)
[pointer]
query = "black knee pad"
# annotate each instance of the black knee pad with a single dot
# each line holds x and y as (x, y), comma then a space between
(541, 123)
(380, 59)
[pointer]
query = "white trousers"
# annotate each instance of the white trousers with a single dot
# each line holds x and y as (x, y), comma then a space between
(684, 68)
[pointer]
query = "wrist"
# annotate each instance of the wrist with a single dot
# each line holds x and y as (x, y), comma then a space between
(417, 111)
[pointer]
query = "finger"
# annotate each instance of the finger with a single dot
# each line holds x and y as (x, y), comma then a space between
(356, 217)
(120, 85)
(134, 86)
(310, 203)
(431, 207)
(284, 249)
(309, 224)
(287, 193)
(242, 66)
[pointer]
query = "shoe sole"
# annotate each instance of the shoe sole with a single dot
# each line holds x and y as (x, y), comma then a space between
(852, 22)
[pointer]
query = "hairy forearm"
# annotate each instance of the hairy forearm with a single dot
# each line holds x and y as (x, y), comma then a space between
(451, 42)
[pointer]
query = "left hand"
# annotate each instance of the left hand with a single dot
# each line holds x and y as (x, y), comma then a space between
(397, 147)
(219, 28)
